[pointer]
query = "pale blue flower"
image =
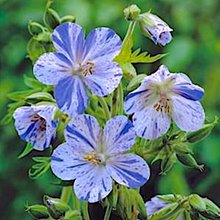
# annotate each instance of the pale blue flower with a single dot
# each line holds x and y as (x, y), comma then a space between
(35, 125)
(78, 64)
(155, 28)
(94, 156)
(161, 97)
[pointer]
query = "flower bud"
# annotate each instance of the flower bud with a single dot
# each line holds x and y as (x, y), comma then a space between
(168, 162)
(56, 207)
(51, 18)
(189, 160)
(129, 71)
(43, 37)
(155, 28)
(38, 211)
(196, 136)
(73, 215)
(132, 12)
(197, 203)
(68, 18)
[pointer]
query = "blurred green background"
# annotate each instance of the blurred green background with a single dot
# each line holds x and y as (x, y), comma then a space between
(195, 50)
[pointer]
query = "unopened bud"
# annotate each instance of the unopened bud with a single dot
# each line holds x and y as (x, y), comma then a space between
(129, 71)
(51, 18)
(68, 18)
(155, 28)
(73, 215)
(56, 207)
(38, 211)
(189, 160)
(167, 162)
(132, 12)
(196, 136)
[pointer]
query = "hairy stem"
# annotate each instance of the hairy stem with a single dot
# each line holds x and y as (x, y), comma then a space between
(108, 212)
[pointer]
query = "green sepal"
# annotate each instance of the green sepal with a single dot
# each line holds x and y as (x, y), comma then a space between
(35, 49)
(129, 72)
(135, 82)
(197, 203)
(68, 18)
(35, 28)
(51, 18)
(28, 148)
(167, 162)
(132, 12)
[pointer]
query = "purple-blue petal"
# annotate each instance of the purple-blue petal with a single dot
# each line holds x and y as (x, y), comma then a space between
(71, 95)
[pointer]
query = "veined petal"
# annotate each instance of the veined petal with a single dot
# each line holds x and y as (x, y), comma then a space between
(84, 131)
(47, 112)
(52, 67)
(67, 162)
(119, 135)
(94, 185)
(71, 95)
(186, 89)
(68, 39)
(129, 170)
(151, 124)
(187, 114)
(102, 42)
(105, 78)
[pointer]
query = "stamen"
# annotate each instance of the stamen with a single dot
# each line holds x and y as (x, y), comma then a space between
(35, 118)
(89, 68)
(163, 105)
(93, 158)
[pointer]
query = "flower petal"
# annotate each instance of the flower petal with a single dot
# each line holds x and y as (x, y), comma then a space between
(51, 67)
(187, 114)
(146, 94)
(102, 42)
(119, 135)
(186, 89)
(84, 131)
(68, 39)
(151, 124)
(67, 162)
(71, 95)
(129, 170)
(105, 78)
(94, 185)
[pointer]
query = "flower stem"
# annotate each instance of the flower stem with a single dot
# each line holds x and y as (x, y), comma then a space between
(105, 107)
(108, 212)
(120, 99)
(76, 202)
(66, 192)
(84, 208)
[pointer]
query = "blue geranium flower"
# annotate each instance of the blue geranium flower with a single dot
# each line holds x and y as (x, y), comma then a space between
(155, 28)
(34, 124)
(94, 157)
(161, 97)
(78, 64)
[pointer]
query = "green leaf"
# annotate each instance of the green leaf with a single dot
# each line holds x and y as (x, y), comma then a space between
(41, 96)
(40, 167)
(32, 82)
(20, 95)
(26, 151)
